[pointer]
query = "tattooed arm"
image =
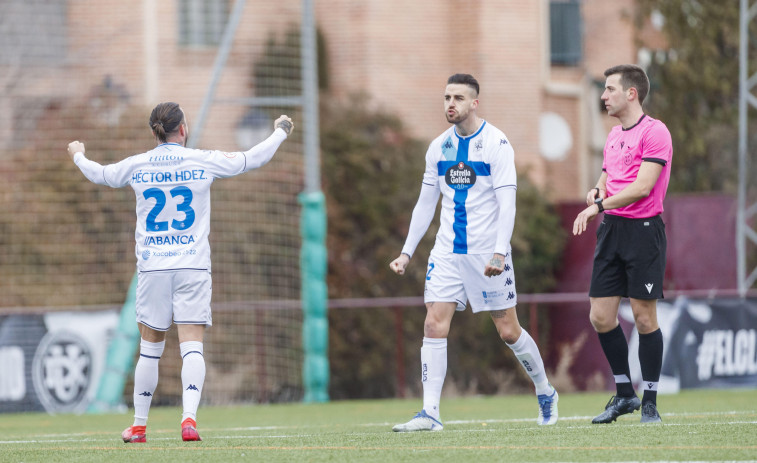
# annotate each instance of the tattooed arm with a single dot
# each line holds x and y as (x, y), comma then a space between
(261, 153)
(495, 266)
(284, 123)
(506, 201)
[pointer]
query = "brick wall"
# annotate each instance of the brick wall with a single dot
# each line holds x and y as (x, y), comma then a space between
(398, 53)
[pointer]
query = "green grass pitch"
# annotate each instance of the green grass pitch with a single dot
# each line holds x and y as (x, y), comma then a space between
(698, 425)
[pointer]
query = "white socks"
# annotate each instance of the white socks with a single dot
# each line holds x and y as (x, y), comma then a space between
(192, 377)
(434, 368)
(528, 355)
(433, 371)
(146, 379)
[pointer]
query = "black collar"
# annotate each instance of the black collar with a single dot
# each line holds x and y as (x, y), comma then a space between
(637, 123)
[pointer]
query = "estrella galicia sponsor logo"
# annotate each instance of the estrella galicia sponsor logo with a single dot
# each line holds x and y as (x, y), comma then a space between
(62, 372)
(460, 176)
(145, 255)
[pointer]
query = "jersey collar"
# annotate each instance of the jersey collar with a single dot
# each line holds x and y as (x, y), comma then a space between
(637, 123)
(483, 123)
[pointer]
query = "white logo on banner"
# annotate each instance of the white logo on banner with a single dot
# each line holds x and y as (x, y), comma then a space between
(12, 380)
(61, 371)
(725, 353)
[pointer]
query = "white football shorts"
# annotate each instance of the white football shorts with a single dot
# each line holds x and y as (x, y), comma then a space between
(178, 296)
(460, 278)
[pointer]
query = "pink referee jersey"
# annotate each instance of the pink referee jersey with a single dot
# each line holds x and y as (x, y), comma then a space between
(647, 141)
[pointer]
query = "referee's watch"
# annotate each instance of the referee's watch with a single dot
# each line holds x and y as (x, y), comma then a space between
(598, 202)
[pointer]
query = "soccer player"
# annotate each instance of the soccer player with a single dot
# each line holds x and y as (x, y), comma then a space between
(472, 165)
(172, 186)
(629, 260)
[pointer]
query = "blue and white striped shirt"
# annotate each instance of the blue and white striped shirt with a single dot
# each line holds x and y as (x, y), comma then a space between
(468, 171)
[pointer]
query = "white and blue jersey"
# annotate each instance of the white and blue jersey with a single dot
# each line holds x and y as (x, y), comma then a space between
(172, 187)
(468, 171)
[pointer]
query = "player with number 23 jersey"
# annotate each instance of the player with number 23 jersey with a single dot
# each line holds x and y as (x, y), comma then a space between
(172, 186)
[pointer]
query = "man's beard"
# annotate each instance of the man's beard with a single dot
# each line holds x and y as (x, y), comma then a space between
(454, 119)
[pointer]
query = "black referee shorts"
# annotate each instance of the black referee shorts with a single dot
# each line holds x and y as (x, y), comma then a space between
(629, 260)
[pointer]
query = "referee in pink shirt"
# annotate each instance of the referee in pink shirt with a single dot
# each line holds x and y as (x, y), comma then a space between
(629, 260)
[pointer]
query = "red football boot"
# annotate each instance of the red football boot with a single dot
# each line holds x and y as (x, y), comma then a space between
(134, 434)
(189, 430)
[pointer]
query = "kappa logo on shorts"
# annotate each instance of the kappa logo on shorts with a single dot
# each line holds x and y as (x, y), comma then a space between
(510, 296)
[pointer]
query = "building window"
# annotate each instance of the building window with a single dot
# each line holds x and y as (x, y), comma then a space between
(202, 22)
(565, 26)
(33, 32)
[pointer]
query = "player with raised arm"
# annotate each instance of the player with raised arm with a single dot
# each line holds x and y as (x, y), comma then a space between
(472, 166)
(172, 187)
(629, 260)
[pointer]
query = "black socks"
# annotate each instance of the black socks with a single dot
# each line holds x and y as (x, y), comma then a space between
(615, 347)
(650, 358)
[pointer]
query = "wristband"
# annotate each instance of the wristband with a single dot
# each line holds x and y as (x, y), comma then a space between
(598, 202)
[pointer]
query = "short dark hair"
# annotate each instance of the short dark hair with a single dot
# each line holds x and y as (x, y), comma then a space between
(166, 119)
(631, 76)
(465, 79)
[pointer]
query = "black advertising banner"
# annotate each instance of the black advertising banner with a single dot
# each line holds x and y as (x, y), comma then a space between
(707, 343)
(52, 362)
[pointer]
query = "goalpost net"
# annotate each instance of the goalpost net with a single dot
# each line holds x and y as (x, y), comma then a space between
(92, 72)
